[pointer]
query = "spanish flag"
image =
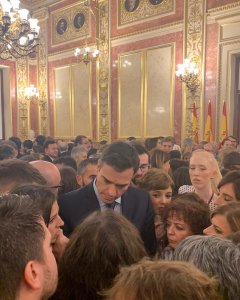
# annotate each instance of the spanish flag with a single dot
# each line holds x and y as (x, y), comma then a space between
(194, 124)
(208, 127)
(224, 131)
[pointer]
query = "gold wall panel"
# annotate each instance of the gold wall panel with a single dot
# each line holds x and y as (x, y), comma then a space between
(62, 103)
(64, 26)
(159, 87)
(82, 100)
(143, 9)
(130, 95)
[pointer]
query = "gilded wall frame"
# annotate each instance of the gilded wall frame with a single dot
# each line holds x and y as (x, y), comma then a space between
(149, 123)
(70, 23)
(143, 9)
(63, 128)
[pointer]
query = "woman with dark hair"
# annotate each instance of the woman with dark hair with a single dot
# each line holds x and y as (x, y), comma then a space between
(225, 220)
(160, 160)
(229, 188)
(68, 180)
(184, 216)
(181, 177)
(159, 185)
(99, 246)
(152, 143)
(231, 161)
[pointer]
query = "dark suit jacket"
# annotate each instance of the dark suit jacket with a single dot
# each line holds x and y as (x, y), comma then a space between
(135, 203)
(47, 158)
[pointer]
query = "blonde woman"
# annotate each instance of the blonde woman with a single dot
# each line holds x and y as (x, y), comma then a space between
(205, 175)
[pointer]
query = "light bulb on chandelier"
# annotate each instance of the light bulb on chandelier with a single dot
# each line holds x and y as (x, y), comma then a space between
(31, 93)
(86, 54)
(19, 34)
(188, 73)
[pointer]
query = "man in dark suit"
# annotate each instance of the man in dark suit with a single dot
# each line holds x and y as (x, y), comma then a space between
(111, 190)
(50, 149)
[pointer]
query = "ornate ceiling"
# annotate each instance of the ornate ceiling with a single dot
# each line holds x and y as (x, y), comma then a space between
(36, 4)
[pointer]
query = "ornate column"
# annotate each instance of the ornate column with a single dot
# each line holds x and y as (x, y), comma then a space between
(194, 47)
(103, 72)
(42, 67)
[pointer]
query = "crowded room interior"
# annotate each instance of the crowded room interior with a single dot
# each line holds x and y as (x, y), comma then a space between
(120, 150)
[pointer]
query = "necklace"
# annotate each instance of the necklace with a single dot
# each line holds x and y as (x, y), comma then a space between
(209, 201)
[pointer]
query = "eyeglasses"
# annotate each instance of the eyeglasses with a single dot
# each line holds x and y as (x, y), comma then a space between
(144, 167)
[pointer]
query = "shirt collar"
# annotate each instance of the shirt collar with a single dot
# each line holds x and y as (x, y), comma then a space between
(101, 203)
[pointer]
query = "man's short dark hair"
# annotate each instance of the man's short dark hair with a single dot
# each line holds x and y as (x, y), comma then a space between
(41, 195)
(79, 139)
(28, 144)
(40, 139)
(140, 148)
(120, 156)
(6, 151)
(17, 141)
(48, 142)
(21, 240)
(66, 161)
(167, 139)
(84, 163)
(15, 172)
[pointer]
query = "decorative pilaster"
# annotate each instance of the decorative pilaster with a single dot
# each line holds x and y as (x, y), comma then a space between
(194, 47)
(103, 72)
(23, 105)
(42, 70)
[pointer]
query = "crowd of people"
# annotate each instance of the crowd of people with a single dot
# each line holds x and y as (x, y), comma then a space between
(130, 220)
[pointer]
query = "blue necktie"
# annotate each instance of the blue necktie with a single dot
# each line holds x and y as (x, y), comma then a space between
(111, 205)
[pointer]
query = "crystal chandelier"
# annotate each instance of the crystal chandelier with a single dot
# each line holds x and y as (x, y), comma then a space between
(188, 72)
(18, 32)
(86, 54)
(31, 93)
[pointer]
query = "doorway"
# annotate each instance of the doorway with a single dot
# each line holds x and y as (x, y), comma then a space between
(236, 119)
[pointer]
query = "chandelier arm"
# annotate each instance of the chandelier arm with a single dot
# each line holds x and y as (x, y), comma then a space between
(18, 33)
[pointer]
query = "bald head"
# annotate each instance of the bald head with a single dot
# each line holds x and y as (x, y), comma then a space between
(49, 171)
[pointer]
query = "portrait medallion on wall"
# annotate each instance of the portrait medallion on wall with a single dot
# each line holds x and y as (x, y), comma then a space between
(130, 11)
(131, 5)
(70, 23)
(156, 2)
(61, 26)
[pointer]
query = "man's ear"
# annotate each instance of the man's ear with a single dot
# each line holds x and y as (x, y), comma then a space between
(33, 274)
(79, 180)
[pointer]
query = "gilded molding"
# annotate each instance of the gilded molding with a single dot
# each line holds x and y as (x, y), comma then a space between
(148, 33)
(223, 8)
(42, 70)
(144, 10)
(70, 31)
(194, 43)
(103, 72)
(23, 105)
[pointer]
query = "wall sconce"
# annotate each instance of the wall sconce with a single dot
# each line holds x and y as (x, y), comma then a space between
(188, 73)
(31, 93)
(86, 54)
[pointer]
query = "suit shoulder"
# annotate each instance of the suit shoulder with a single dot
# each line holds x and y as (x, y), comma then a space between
(137, 192)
